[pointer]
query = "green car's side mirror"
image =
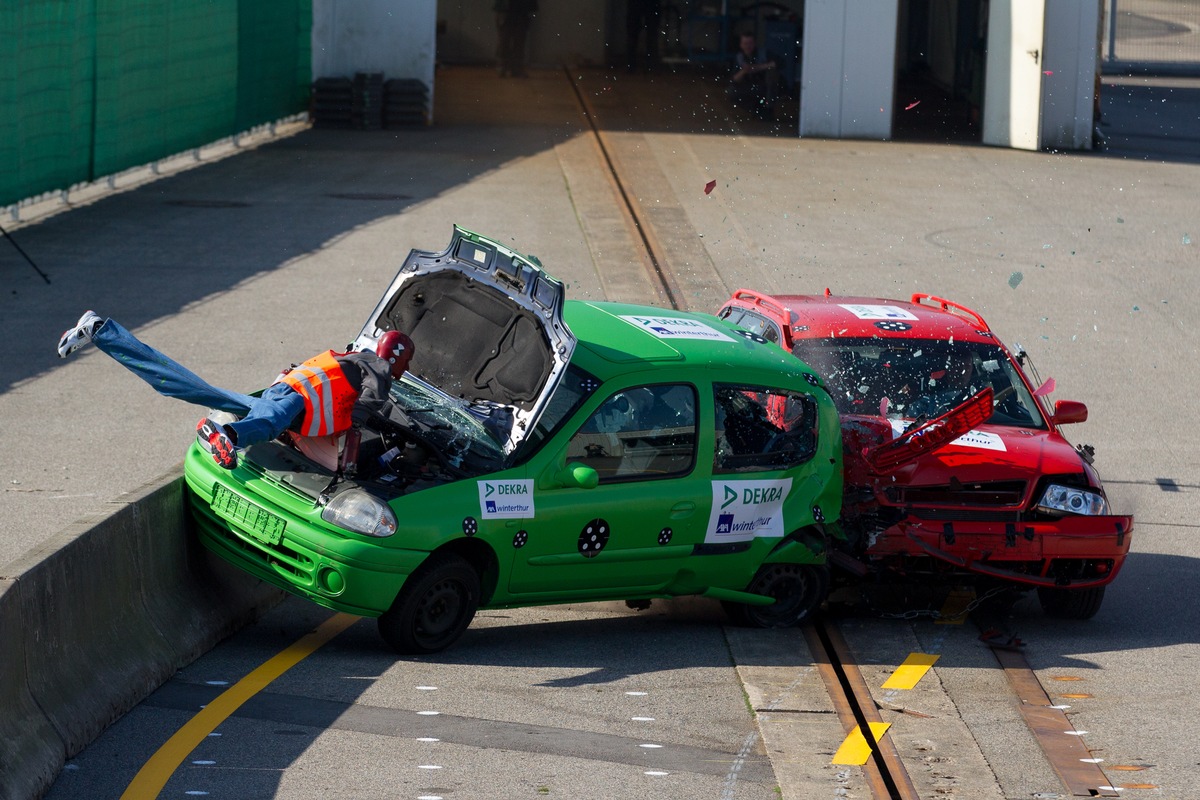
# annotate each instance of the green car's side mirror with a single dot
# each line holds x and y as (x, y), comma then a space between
(577, 476)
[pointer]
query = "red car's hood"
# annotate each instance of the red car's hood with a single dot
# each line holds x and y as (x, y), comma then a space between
(994, 453)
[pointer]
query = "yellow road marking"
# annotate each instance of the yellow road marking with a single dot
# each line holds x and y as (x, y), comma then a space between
(911, 671)
(954, 610)
(153, 776)
(855, 751)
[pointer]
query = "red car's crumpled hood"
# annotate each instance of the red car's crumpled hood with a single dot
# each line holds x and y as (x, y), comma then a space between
(994, 453)
(987, 453)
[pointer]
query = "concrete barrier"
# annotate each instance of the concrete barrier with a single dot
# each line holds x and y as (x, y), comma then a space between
(99, 617)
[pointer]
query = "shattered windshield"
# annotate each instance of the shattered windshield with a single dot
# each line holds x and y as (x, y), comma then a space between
(575, 387)
(462, 438)
(919, 378)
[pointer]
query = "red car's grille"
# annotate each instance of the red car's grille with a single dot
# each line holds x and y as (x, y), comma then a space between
(966, 515)
(997, 494)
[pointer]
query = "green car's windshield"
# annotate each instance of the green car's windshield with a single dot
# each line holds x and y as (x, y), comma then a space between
(919, 378)
(460, 436)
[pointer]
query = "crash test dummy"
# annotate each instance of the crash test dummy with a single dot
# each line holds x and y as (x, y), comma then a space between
(329, 394)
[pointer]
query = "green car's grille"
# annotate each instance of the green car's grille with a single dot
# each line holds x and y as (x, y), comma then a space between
(251, 529)
(258, 522)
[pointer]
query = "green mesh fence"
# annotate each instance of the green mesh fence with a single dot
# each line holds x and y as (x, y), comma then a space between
(92, 87)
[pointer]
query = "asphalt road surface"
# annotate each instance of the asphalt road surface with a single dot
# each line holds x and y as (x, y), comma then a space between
(1087, 260)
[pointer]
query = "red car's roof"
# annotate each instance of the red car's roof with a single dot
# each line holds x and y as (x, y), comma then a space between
(821, 316)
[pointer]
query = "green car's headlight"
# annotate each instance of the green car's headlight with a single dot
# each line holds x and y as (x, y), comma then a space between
(360, 512)
(1059, 499)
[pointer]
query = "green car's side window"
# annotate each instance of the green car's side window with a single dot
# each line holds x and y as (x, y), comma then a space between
(641, 433)
(760, 428)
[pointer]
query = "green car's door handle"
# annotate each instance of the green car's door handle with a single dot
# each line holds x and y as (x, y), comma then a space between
(682, 509)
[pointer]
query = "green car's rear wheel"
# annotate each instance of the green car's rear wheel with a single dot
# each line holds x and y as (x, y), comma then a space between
(433, 609)
(798, 589)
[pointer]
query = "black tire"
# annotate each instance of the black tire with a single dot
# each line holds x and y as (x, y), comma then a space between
(798, 589)
(1071, 603)
(433, 609)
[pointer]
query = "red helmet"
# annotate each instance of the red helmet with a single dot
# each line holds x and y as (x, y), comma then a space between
(398, 349)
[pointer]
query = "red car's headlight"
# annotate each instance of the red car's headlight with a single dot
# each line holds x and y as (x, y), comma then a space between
(1059, 499)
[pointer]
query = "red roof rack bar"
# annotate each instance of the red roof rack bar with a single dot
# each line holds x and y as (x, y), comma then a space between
(919, 298)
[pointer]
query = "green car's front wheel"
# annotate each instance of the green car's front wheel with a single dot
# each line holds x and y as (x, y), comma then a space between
(433, 609)
(798, 589)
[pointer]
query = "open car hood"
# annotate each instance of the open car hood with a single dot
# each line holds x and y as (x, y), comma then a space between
(487, 324)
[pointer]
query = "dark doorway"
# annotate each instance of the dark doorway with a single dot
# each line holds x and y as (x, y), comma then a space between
(941, 50)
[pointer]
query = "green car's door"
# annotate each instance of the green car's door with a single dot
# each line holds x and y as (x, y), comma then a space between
(636, 529)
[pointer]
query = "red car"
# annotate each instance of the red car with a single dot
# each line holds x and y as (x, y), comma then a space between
(954, 463)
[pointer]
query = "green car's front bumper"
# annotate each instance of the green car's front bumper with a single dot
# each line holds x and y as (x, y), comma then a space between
(280, 538)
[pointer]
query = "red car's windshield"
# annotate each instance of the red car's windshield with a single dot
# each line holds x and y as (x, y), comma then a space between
(919, 378)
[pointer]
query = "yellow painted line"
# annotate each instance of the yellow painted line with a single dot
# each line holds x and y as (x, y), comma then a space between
(954, 610)
(153, 776)
(911, 671)
(855, 751)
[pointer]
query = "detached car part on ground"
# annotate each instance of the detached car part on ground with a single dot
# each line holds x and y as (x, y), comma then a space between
(954, 460)
(542, 451)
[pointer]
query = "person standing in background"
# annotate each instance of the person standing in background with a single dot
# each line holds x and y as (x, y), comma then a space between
(512, 25)
(642, 17)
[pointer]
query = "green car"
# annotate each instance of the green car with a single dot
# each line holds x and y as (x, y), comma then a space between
(543, 451)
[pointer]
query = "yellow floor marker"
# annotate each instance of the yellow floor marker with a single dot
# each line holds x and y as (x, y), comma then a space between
(911, 671)
(153, 776)
(855, 751)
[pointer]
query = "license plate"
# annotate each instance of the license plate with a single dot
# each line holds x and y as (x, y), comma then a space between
(258, 522)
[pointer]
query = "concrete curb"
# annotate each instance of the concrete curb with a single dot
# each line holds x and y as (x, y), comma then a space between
(100, 616)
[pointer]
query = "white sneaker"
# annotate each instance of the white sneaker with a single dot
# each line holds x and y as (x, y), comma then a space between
(80, 335)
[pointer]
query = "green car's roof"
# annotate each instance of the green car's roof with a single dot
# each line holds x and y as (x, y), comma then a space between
(618, 337)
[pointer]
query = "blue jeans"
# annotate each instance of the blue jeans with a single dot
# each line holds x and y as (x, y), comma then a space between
(263, 418)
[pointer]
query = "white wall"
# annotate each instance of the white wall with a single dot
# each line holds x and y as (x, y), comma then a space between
(849, 73)
(395, 37)
(1012, 99)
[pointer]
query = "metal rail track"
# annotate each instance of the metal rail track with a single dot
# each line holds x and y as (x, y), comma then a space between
(885, 773)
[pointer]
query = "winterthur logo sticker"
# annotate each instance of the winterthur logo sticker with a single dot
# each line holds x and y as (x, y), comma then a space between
(676, 328)
(506, 499)
(742, 510)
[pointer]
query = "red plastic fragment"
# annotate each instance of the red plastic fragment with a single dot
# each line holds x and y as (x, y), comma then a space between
(1046, 388)
(708, 187)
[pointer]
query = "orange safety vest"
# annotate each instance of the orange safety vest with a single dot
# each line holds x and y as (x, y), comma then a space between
(328, 395)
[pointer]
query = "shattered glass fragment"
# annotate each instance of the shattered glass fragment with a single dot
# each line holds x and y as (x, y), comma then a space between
(1015, 279)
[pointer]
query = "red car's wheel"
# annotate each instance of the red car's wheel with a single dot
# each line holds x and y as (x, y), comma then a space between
(1071, 603)
(434, 608)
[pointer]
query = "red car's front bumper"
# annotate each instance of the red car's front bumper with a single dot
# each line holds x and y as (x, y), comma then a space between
(1072, 552)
